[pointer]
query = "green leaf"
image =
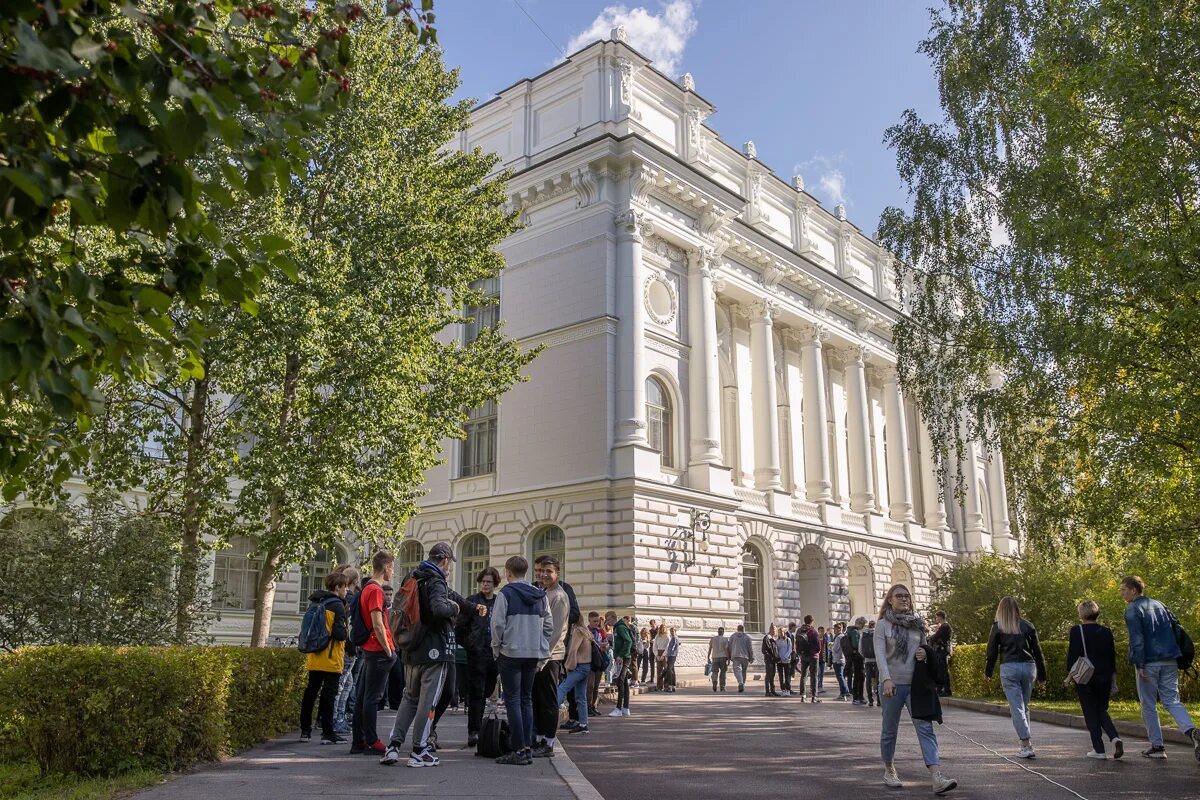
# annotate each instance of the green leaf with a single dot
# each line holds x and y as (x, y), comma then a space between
(154, 300)
(272, 242)
(86, 48)
(26, 182)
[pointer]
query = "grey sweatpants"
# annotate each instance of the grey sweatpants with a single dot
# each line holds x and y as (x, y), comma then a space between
(422, 687)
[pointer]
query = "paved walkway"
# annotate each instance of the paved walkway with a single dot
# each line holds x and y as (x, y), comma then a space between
(285, 769)
(694, 745)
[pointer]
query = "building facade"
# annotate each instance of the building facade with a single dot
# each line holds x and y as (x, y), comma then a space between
(713, 432)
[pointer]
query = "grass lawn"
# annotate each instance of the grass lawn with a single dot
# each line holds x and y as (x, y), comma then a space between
(1128, 710)
(22, 781)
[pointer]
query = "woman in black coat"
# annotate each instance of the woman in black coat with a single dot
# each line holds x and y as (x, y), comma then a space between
(1096, 642)
(770, 652)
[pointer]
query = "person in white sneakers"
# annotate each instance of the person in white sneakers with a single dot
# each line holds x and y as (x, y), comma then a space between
(1014, 642)
(899, 636)
(623, 663)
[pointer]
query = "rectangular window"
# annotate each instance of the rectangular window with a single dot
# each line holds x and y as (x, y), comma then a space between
(482, 317)
(235, 576)
(478, 450)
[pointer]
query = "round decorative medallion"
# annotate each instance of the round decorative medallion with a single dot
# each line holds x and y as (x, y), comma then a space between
(661, 300)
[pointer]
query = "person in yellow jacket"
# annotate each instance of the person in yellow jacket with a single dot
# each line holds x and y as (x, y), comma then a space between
(325, 665)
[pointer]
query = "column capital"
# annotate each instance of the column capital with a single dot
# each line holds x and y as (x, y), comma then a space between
(811, 333)
(847, 355)
(764, 310)
(633, 225)
(876, 374)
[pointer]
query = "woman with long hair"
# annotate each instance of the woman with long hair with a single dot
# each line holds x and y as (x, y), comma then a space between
(662, 640)
(643, 647)
(1014, 642)
(770, 651)
(899, 639)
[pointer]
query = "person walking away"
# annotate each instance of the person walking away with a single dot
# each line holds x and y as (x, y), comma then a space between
(550, 671)
(1155, 651)
(378, 653)
(741, 656)
(898, 638)
(942, 640)
(809, 642)
(623, 664)
(1094, 642)
(578, 666)
(1014, 641)
(522, 626)
(718, 657)
(672, 655)
(645, 655)
(770, 653)
(857, 670)
(840, 647)
(429, 660)
(345, 697)
(870, 665)
(325, 665)
(474, 633)
(783, 646)
(826, 641)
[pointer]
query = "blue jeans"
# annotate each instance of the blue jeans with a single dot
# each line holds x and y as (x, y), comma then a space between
(839, 672)
(516, 676)
(577, 680)
(1161, 683)
(1016, 679)
(345, 691)
(891, 726)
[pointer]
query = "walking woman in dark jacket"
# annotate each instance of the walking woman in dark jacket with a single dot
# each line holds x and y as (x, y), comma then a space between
(1094, 641)
(770, 651)
(1014, 641)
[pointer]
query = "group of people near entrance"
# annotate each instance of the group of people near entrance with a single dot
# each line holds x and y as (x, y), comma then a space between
(530, 636)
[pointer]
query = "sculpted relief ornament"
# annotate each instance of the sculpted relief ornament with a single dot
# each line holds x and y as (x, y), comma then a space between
(633, 224)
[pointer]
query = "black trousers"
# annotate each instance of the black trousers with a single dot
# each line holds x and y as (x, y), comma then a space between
(371, 685)
(771, 667)
(545, 700)
(325, 684)
(395, 686)
(943, 659)
(647, 662)
(871, 679)
(1093, 700)
(855, 662)
(623, 675)
(808, 669)
(481, 682)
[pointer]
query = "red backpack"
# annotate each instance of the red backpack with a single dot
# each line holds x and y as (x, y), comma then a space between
(407, 628)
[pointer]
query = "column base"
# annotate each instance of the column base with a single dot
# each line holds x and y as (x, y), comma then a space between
(900, 512)
(819, 492)
(635, 459)
(713, 478)
(863, 503)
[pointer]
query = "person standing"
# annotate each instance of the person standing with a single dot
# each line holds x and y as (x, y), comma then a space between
(578, 667)
(839, 648)
(474, 633)
(870, 665)
(783, 646)
(741, 656)
(898, 636)
(1153, 651)
(824, 661)
(718, 657)
(653, 628)
(672, 655)
(522, 626)
(661, 640)
(941, 640)
(811, 653)
(645, 656)
(770, 653)
(345, 697)
(550, 672)
(325, 665)
(601, 638)
(1014, 641)
(854, 636)
(623, 664)
(1094, 641)
(378, 652)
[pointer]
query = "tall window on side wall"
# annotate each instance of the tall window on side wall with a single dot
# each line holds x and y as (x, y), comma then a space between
(486, 314)
(235, 575)
(477, 451)
(409, 557)
(313, 572)
(550, 541)
(474, 554)
(752, 597)
(660, 420)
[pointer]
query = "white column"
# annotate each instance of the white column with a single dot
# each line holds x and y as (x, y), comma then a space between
(973, 529)
(763, 393)
(631, 330)
(862, 492)
(935, 506)
(816, 419)
(899, 478)
(740, 315)
(796, 413)
(878, 463)
(1002, 540)
(704, 380)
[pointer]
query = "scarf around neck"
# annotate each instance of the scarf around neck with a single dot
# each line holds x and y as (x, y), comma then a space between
(908, 622)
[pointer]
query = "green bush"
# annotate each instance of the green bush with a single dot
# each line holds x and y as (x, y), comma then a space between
(103, 710)
(967, 678)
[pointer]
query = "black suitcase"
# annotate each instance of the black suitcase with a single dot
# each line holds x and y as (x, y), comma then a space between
(493, 738)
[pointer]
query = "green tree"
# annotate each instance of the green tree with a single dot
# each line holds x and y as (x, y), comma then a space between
(1053, 236)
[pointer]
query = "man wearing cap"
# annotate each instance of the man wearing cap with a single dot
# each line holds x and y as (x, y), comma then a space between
(427, 663)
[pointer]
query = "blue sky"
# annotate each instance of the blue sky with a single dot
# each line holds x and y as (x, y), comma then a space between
(813, 82)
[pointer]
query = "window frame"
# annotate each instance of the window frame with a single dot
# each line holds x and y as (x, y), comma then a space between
(664, 424)
(559, 552)
(245, 565)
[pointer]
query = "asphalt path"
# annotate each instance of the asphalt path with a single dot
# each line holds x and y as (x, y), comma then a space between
(696, 745)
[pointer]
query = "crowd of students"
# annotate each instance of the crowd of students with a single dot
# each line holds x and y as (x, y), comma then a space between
(530, 638)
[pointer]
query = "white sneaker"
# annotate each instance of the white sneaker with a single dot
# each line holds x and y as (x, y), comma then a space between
(624, 712)
(1097, 756)
(390, 756)
(425, 758)
(890, 778)
(1026, 751)
(616, 712)
(942, 784)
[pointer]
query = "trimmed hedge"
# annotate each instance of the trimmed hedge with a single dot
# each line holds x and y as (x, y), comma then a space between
(968, 662)
(105, 710)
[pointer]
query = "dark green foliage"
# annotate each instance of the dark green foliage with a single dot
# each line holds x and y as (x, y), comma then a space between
(264, 693)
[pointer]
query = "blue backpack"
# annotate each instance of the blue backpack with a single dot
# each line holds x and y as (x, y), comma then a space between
(314, 633)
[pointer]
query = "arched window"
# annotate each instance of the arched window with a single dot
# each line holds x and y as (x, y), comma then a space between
(660, 421)
(752, 597)
(235, 575)
(550, 541)
(411, 554)
(313, 572)
(474, 554)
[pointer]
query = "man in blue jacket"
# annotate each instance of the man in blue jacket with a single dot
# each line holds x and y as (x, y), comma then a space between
(1153, 650)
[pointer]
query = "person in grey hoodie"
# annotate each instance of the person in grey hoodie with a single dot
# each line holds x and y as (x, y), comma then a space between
(741, 654)
(521, 631)
(899, 636)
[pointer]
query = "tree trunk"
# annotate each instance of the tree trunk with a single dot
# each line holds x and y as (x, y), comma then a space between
(189, 555)
(264, 599)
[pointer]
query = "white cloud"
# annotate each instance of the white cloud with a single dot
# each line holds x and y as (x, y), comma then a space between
(830, 183)
(660, 37)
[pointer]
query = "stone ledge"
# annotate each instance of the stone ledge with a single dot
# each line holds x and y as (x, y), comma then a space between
(1133, 730)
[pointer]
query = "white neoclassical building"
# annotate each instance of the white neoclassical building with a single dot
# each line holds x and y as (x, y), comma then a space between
(716, 352)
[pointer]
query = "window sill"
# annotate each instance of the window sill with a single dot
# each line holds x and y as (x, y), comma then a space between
(475, 486)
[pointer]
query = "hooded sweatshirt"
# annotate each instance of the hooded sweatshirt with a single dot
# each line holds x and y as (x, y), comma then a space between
(439, 606)
(521, 622)
(579, 648)
(331, 658)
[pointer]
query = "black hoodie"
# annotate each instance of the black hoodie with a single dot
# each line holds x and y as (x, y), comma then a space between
(439, 605)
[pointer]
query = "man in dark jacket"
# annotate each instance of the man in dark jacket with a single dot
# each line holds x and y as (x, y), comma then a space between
(474, 633)
(809, 645)
(623, 638)
(427, 663)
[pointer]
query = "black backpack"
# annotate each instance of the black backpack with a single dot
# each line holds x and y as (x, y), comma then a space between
(867, 644)
(1187, 648)
(493, 737)
(597, 657)
(360, 632)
